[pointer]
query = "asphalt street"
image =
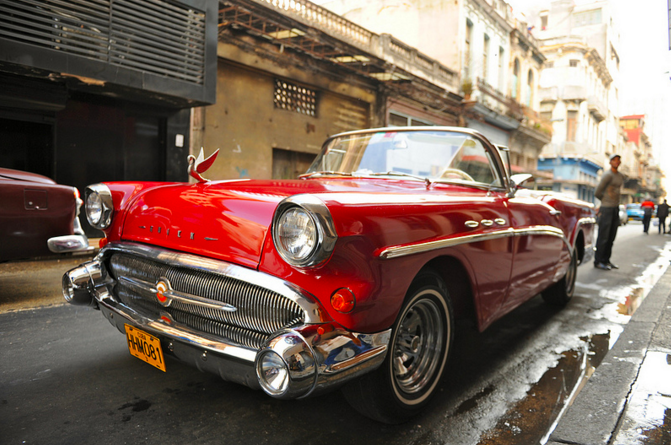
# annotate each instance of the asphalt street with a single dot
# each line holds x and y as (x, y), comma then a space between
(66, 375)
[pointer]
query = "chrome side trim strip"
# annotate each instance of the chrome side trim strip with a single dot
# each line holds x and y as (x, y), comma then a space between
(582, 221)
(399, 251)
(312, 310)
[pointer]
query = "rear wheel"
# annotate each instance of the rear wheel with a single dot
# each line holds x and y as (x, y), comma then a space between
(418, 350)
(560, 293)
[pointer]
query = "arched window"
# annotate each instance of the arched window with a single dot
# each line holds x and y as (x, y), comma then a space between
(516, 79)
(530, 89)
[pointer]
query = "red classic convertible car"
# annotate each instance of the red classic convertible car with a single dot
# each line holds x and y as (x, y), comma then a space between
(38, 216)
(350, 277)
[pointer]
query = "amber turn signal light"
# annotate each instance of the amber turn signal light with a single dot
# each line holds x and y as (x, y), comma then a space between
(343, 300)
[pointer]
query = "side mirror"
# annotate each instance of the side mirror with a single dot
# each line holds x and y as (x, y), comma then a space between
(518, 181)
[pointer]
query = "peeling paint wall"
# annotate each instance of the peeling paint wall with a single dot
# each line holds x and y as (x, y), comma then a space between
(246, 125)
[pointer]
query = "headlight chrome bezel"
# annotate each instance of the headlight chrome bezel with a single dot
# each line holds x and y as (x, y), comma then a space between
(102, 194)
(325, 235)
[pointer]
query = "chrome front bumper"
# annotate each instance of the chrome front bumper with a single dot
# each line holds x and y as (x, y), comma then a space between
(70, 243)
(316, 356)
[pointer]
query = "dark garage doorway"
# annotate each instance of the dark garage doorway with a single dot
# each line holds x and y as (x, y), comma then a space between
(27, 146)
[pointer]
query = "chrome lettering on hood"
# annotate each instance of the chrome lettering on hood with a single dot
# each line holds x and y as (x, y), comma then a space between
(192, 235)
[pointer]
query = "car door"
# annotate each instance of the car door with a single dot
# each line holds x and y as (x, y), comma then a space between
(487, 226)
(538, 246)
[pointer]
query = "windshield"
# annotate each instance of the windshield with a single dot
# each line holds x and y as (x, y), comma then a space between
(424, 155)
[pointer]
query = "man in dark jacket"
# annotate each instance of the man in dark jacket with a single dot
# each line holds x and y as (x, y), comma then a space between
(662, 213)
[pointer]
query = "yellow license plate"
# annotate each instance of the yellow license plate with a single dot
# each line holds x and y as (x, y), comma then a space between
(145, 347)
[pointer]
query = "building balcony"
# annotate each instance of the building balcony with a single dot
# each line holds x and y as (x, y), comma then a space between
(572, 150)
(533, 120)
(548, 94)
(573, 92)
(313, 29)
(497, 101)
(597, 108)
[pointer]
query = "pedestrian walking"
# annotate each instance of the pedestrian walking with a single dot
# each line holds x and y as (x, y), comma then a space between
(662, 213)
(648, 208)
(608, 192)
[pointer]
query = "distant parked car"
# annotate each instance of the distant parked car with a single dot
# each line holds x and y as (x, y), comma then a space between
(624, 219)
(634, 212)
(37, 216)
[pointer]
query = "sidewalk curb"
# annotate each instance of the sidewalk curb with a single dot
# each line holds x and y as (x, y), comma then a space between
(594, 416)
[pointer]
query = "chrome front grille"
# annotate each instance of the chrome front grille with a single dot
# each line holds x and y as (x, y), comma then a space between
(259, 311)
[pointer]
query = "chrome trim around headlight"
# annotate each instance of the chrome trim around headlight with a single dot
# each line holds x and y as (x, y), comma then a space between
(321, 217)
(107, 204)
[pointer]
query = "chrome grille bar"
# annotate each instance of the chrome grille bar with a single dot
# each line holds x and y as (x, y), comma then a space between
(260, 312)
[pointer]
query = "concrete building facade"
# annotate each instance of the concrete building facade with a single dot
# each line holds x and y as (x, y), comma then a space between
(579, 92)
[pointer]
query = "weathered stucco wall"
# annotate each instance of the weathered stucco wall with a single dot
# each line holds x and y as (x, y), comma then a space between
(245, 124)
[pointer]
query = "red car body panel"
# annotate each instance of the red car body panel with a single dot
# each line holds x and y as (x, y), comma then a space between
(230, 221)
(33, 208)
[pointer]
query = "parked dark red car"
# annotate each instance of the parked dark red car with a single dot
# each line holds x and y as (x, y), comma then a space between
(37, 216)
(350, 277)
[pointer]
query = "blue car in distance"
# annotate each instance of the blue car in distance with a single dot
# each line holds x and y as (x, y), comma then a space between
(634, 212)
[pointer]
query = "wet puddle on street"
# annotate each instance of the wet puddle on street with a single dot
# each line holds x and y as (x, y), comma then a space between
(532, 419)
(647, 419)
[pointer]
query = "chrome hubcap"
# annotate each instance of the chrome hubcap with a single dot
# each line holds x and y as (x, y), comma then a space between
(418, 345)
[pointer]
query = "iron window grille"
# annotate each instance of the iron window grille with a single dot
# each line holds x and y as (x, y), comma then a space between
(296, 98)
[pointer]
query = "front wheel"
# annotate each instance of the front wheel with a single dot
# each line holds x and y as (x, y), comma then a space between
(418, 350)
(560, 293)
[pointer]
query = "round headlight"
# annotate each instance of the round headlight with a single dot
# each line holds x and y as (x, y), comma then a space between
(94, 208)
(297, 235)
(99, 206)
(273, 373)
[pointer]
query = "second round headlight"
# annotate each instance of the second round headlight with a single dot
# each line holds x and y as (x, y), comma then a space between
(94, 208)
(99, 206)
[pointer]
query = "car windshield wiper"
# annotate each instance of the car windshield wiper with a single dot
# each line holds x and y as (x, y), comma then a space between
(324, 173)
(408, 175)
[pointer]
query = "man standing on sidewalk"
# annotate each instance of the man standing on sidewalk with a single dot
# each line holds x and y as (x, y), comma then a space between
(608, 192)
(662, 213)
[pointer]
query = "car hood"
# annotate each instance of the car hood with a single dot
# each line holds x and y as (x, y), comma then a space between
(18, 175)
(229, 220)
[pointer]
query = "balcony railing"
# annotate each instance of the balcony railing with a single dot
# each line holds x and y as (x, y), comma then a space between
(511, 107)
(364, 45)
(322, 18)
(533, 119)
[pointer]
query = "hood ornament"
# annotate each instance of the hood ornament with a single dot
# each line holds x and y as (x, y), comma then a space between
(199, 165)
